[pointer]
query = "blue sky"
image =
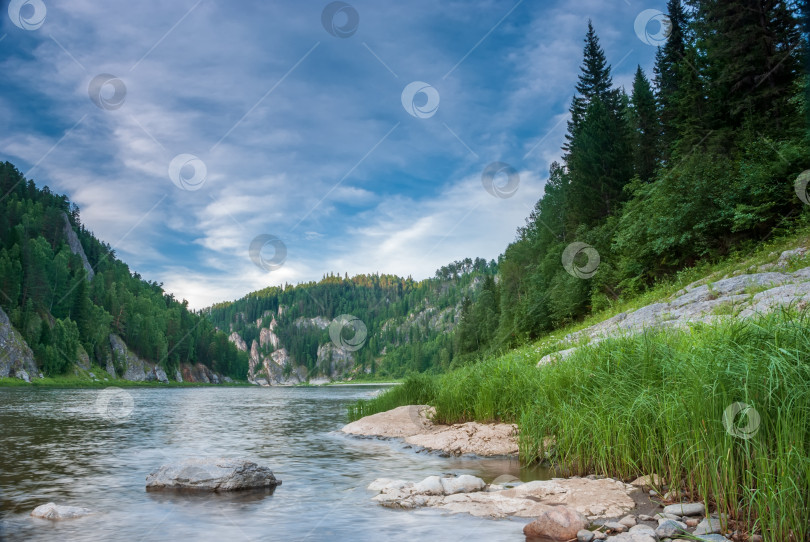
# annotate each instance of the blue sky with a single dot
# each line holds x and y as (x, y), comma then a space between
(302, 134)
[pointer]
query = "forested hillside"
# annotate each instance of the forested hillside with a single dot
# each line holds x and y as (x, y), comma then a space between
(697, 159)
(66, 306)
(407, 325)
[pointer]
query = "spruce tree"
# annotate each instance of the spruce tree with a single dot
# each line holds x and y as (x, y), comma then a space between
(669, 60)
(594, 82)
(647, 128)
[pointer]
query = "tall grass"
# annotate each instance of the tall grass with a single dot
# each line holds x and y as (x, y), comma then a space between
(654, 403)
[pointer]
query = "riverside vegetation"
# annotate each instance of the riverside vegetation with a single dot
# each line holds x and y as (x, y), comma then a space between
(695, 176)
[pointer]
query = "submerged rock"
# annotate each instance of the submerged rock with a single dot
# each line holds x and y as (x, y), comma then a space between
(55, 511)
(212, 474)
(558, 523)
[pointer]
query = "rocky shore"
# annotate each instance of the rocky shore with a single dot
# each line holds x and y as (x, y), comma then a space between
(562, 509)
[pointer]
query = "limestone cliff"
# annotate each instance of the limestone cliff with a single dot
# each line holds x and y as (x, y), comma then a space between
(16, 358)
(76, 247)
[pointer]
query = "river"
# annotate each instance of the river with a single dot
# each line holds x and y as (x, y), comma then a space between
(64, 446)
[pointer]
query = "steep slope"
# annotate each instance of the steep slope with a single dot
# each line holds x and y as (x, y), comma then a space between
(68, 303)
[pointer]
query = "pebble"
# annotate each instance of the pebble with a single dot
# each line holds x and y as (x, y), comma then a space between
(615, 526)
(585, 535)
(663, 515)
(628, 521)
(692, 522)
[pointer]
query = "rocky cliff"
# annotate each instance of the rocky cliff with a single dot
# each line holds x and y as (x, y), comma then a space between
(76, 247)
(16, 358)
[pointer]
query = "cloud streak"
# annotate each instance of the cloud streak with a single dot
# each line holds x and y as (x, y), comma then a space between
(288, 118)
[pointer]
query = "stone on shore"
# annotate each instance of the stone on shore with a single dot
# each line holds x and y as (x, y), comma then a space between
(212, 474)
(670, 529)
(413, 424)
(648, 481)
(558, 523)
(708, 526)
(637, 536)
(685, 509)
(55, 512)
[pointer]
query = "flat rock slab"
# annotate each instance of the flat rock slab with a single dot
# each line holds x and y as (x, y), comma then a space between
(412, 424)
(212, 474)
(56, 512)
(685, 509)
(594, 499)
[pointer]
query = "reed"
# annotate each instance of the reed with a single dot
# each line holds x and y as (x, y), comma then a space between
(655, 403)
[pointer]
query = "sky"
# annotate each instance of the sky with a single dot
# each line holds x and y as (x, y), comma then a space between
(223, 147)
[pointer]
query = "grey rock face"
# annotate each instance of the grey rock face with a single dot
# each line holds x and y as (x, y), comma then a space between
(743, 295)
(212, 474)
(56, 512)
(134, 368)
(334, 360)
(178, 377)
(157, 374)
(76, 247)
(16, 358)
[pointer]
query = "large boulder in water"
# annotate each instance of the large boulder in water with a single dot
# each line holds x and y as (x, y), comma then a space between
(212, 474)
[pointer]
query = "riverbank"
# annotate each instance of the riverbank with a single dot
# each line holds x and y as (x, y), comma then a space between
(88, 379)
(721, 409)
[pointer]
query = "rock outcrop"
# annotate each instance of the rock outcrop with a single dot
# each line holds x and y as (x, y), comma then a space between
(134, 367)
(16, 358)
(55, 512)
(212, 474)
(237, 340)
(412, 423)
(76, 247)
(740, 296)
(334, 360)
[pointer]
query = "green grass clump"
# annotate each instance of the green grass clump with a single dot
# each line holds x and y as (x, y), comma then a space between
(655, 403)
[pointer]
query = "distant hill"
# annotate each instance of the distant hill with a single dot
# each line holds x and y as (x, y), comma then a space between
(342, 327)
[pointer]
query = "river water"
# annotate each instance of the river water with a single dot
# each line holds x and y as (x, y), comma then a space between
(94, 449)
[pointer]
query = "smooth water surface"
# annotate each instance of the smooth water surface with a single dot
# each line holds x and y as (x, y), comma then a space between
(64, 446)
